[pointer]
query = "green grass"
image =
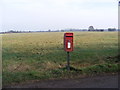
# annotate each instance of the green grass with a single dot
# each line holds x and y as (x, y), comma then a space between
(31, 56)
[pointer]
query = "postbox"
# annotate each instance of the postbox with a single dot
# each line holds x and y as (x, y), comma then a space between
(68, 42)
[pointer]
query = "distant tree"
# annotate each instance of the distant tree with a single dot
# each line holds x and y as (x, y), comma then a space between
(49, 30)
(11, 31)
(111, 29)
(100, 30)
(91, 28)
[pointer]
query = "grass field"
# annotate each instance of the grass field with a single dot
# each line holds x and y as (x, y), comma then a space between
(36, 56)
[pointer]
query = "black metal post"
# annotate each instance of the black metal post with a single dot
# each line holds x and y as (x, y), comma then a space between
(68, 61)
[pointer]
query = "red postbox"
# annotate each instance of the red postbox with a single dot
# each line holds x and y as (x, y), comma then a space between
(68, 42)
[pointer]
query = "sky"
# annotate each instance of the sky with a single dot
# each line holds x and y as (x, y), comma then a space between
(119, 16)
(36, 15)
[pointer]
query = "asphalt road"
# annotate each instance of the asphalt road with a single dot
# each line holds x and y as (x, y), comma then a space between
(100, 81)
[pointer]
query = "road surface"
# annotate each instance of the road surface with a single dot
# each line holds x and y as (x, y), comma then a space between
(101, 81)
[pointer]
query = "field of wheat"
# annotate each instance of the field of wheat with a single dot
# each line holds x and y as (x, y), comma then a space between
(31, 56)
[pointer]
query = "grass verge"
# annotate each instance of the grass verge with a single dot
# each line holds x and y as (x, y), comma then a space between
(18, 77)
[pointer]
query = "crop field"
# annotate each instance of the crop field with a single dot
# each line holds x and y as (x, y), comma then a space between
(38, 56)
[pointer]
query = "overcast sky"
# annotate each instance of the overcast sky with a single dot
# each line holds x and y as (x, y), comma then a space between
(57, 14)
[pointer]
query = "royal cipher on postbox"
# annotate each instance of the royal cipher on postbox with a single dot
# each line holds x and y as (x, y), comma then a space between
(68, 42)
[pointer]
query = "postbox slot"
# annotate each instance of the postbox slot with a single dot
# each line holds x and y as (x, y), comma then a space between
(69, 36)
